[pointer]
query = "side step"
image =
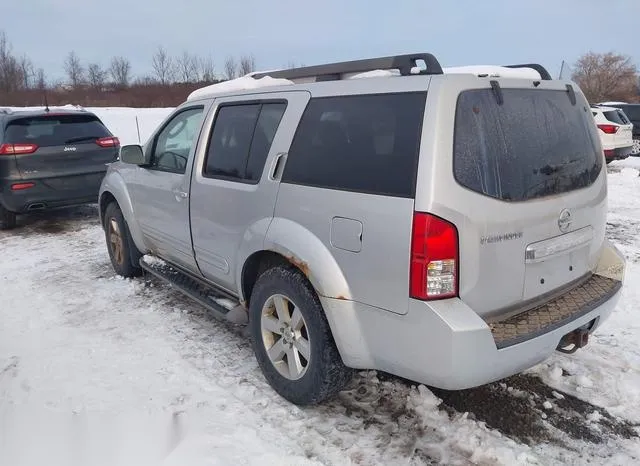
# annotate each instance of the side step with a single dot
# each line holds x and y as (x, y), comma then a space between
(222, 305)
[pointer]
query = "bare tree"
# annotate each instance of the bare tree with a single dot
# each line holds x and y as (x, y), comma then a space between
(41, 79)
(163, 66)
(145, 81)
(120, 70)
(187, 66)
(27, 71)
(606, 76)
(206, 70)
(247, 64)
(96, 75)
(10, 73)
(74, 69)
(230, 68)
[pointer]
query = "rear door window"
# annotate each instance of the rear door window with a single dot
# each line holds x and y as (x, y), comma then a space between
(364, 143)
(535, 144)
(241, 139)
(55, 130)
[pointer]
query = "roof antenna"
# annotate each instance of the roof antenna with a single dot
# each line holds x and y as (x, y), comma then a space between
(46, 103)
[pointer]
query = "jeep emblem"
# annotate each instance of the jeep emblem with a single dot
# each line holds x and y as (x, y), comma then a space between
(565, 221)
(69, 149)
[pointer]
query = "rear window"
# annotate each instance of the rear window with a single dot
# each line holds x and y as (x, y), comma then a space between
(535, 144)
(55, 130)
(364, 143)
(615, 116)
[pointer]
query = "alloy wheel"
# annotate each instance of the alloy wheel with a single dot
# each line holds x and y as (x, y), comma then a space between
(285, 337)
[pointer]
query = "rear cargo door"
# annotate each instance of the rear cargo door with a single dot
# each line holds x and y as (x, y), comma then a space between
(528, 194)
(62, 148)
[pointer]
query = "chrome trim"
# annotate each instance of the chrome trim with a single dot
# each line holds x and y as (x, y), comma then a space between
(542, 250)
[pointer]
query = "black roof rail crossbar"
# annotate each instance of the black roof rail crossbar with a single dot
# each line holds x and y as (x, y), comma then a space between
(334, 71)
(544, 74)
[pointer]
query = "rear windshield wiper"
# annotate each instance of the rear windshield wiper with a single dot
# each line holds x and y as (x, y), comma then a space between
(550, 169)
(81, 138)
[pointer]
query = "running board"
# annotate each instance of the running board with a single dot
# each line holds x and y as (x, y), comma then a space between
(219, 303)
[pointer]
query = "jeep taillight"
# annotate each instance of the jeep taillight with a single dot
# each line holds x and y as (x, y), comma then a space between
(17, 149)
(108, 142)
(608, 129)
(434, 258)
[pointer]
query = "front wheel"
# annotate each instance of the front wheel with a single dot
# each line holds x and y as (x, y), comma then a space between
(7, 219)
(122, 250)
(292, 339)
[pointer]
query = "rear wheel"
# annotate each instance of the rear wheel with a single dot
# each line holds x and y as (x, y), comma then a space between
(292, 340)
(123, 252)
(7, 219)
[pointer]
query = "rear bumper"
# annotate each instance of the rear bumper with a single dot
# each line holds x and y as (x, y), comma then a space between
(445, 343)
(619, 153)
(42, 196)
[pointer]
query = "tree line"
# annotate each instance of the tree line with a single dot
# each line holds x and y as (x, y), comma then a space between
(186, 68)
(170, 79)
(601, 76)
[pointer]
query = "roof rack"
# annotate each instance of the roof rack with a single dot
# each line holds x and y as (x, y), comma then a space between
(406, 64)
(544, 74)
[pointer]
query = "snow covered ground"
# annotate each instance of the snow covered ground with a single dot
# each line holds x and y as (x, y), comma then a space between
(98, 370)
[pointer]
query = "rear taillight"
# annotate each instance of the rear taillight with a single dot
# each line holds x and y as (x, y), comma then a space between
(108, 142)
(17, 149)
(609, 129)
(609, 153)
(21, 186)
(434, 258)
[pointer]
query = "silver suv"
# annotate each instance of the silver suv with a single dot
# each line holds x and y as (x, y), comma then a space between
(448, 228)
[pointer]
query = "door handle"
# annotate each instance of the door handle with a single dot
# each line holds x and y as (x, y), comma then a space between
(180, 194)
(277, 167)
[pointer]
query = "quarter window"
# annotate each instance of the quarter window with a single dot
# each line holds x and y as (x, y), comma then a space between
(364, 143)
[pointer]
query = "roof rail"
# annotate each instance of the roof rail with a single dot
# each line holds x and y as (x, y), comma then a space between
(337, 71)
(544, 74)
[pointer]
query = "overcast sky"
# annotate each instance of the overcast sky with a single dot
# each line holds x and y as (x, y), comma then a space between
(277, 32)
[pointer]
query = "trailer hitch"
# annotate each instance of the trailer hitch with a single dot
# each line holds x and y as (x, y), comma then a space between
(575, 340)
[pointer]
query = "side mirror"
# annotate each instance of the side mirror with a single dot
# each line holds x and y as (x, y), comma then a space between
(132, 154)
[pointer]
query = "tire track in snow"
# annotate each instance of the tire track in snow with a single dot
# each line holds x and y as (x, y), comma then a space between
(377, 420)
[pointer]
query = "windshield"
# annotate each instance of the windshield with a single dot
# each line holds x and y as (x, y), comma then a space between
(535, 144)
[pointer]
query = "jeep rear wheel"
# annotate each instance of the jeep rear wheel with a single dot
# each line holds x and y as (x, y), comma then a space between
(7, 219)
(292, 340)
(122, 250)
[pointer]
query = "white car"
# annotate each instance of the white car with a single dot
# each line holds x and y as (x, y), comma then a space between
(616, 132)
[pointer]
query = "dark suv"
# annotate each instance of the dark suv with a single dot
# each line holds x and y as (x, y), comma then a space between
(51, 159)
(633, 114)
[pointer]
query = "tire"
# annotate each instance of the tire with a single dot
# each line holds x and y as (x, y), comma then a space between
(124, 254)
(7, 219)
(324, 373)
